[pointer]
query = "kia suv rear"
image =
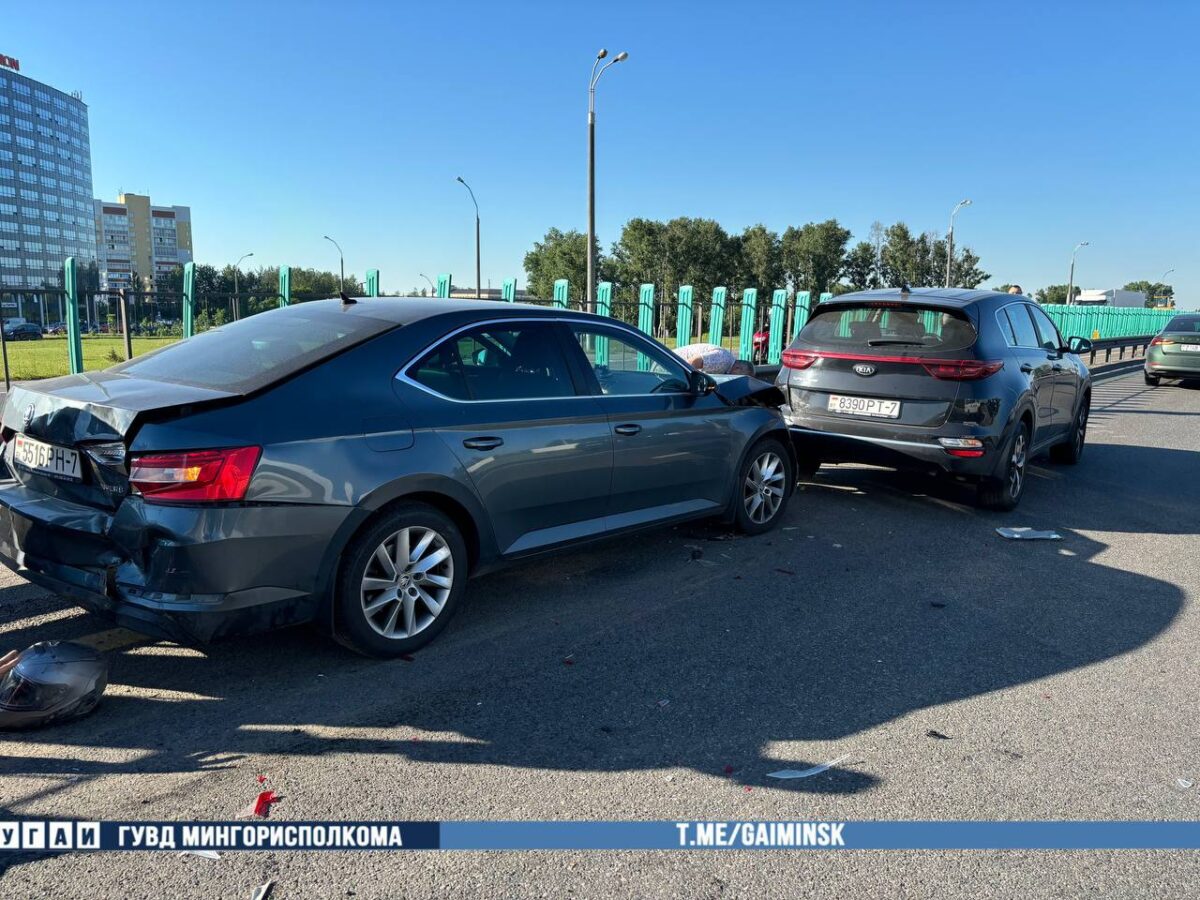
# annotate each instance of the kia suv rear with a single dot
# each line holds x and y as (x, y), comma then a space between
(966, 383)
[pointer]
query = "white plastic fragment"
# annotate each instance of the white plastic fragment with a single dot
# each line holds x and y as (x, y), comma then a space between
(263, 891)
(808, 773)
(205, 854)
(1184, 783)
(1028, 534)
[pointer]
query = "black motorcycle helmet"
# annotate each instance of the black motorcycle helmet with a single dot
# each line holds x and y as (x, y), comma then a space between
(51, 682)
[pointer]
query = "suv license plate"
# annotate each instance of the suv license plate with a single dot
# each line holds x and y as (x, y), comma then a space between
(864, 406)
(48, 459)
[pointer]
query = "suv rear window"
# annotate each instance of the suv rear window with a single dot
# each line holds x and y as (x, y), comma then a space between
(251, 353)
(878, 327)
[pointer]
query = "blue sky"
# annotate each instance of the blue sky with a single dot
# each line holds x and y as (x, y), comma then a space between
(280, 122)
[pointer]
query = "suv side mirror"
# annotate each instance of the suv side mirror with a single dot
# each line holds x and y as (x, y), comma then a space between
(1079, 345)
(699, 383)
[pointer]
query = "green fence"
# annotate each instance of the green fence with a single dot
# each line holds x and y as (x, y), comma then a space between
(1105, 322)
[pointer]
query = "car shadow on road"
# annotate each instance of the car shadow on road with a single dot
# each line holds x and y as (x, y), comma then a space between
(884, 595)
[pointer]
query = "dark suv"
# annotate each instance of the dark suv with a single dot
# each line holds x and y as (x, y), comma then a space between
(970, 383)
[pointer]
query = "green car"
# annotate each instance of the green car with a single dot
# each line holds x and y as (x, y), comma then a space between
(1175, 351)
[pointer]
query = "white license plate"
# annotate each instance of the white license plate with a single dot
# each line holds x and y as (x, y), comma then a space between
(1190, 348)
(57, 462)
(864, 406)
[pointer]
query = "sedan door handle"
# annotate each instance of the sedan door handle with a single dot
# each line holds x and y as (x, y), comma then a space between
(483, 443)
(627, 429)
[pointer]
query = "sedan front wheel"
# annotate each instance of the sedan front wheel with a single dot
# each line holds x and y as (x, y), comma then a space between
(764, 486)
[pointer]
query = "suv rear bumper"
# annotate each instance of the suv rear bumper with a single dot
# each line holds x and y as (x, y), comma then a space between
(187, 574)
(894, 453)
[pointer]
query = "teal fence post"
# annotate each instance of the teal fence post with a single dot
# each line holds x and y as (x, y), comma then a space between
(749, 316)
(778, 315)
(562, 293)
(716, 317)
(372, 282)
(71, 288)
(508, 292)
(645, 321)
(825, 296)
(603, 308)
(683, 316)
(189, 299)
(285, 286)
(800, 317)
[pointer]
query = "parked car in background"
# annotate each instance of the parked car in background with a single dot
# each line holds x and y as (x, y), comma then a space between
(1175, 351)
(966, 383)
(56, 328)
(352, 463)
(24, 331)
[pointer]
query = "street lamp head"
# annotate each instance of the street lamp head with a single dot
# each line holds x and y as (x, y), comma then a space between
(620, 56)
(603, 53)
(460, 180)
(966, 203)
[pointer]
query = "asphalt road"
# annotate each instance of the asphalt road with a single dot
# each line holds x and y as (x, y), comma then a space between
(1063, 676)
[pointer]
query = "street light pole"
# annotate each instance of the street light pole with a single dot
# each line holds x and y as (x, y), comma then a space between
(478, 279)
(432, 289)
(341, 265)
(950, 239)
(237, 306)
(1163, 282)
(1071, 279)
(591, 235)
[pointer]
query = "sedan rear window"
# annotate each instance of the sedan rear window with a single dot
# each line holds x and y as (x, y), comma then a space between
(878, 327)
(1184, 324)
(251, 353)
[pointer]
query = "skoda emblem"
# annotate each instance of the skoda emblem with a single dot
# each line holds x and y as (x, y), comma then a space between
(864, 369)
(28, 416)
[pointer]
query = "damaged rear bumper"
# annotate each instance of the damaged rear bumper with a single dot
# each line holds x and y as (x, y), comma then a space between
(187, 574)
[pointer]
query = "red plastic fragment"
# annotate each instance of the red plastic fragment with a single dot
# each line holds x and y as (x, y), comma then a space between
(729, 770)
(262, 805)
(261, 778)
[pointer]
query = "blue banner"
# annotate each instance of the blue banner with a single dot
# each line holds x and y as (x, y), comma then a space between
(58, 836)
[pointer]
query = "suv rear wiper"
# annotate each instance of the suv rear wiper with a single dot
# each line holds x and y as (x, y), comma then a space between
(883, 342)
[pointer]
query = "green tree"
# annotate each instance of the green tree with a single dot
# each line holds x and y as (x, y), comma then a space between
(560, 254)
(905, 258)
(1055, 294)
(861, 267)
(760, 264)
(1153, 291)
(814, 256)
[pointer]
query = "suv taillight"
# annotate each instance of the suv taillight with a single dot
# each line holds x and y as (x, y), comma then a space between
(798, 359)
(962, 369)
(194, 476)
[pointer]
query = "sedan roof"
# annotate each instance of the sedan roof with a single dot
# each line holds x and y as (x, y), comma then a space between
(406, 310)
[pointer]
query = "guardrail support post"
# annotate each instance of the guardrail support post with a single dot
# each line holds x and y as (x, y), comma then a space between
(683, 316)
(749, 317)
(443, 286)
(71, 288)
(285, 286)
(562, 293)
(189, 306)
(372, 282)
(508, 292)
(716, 317)
(778, 311)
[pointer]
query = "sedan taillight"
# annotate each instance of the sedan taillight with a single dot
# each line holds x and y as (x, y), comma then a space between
(194, 476)
(1159, 340)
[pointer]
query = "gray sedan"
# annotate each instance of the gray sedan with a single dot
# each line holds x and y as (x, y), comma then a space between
(351, 463)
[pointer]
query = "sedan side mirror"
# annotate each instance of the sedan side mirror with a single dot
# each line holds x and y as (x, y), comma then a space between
(699, 383)
(1079, 345)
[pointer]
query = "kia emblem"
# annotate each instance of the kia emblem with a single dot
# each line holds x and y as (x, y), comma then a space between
(864, 369)
(28, 416)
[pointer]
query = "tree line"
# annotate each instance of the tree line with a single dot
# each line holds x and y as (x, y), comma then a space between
(817, 257)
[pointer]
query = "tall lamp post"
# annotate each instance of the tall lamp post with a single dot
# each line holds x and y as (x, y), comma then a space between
(432, 289)
(950, 239)
(341, 265)
(237, 305)
(1071, 279)
(478, 280)
(1163, 282)
(591, 235)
